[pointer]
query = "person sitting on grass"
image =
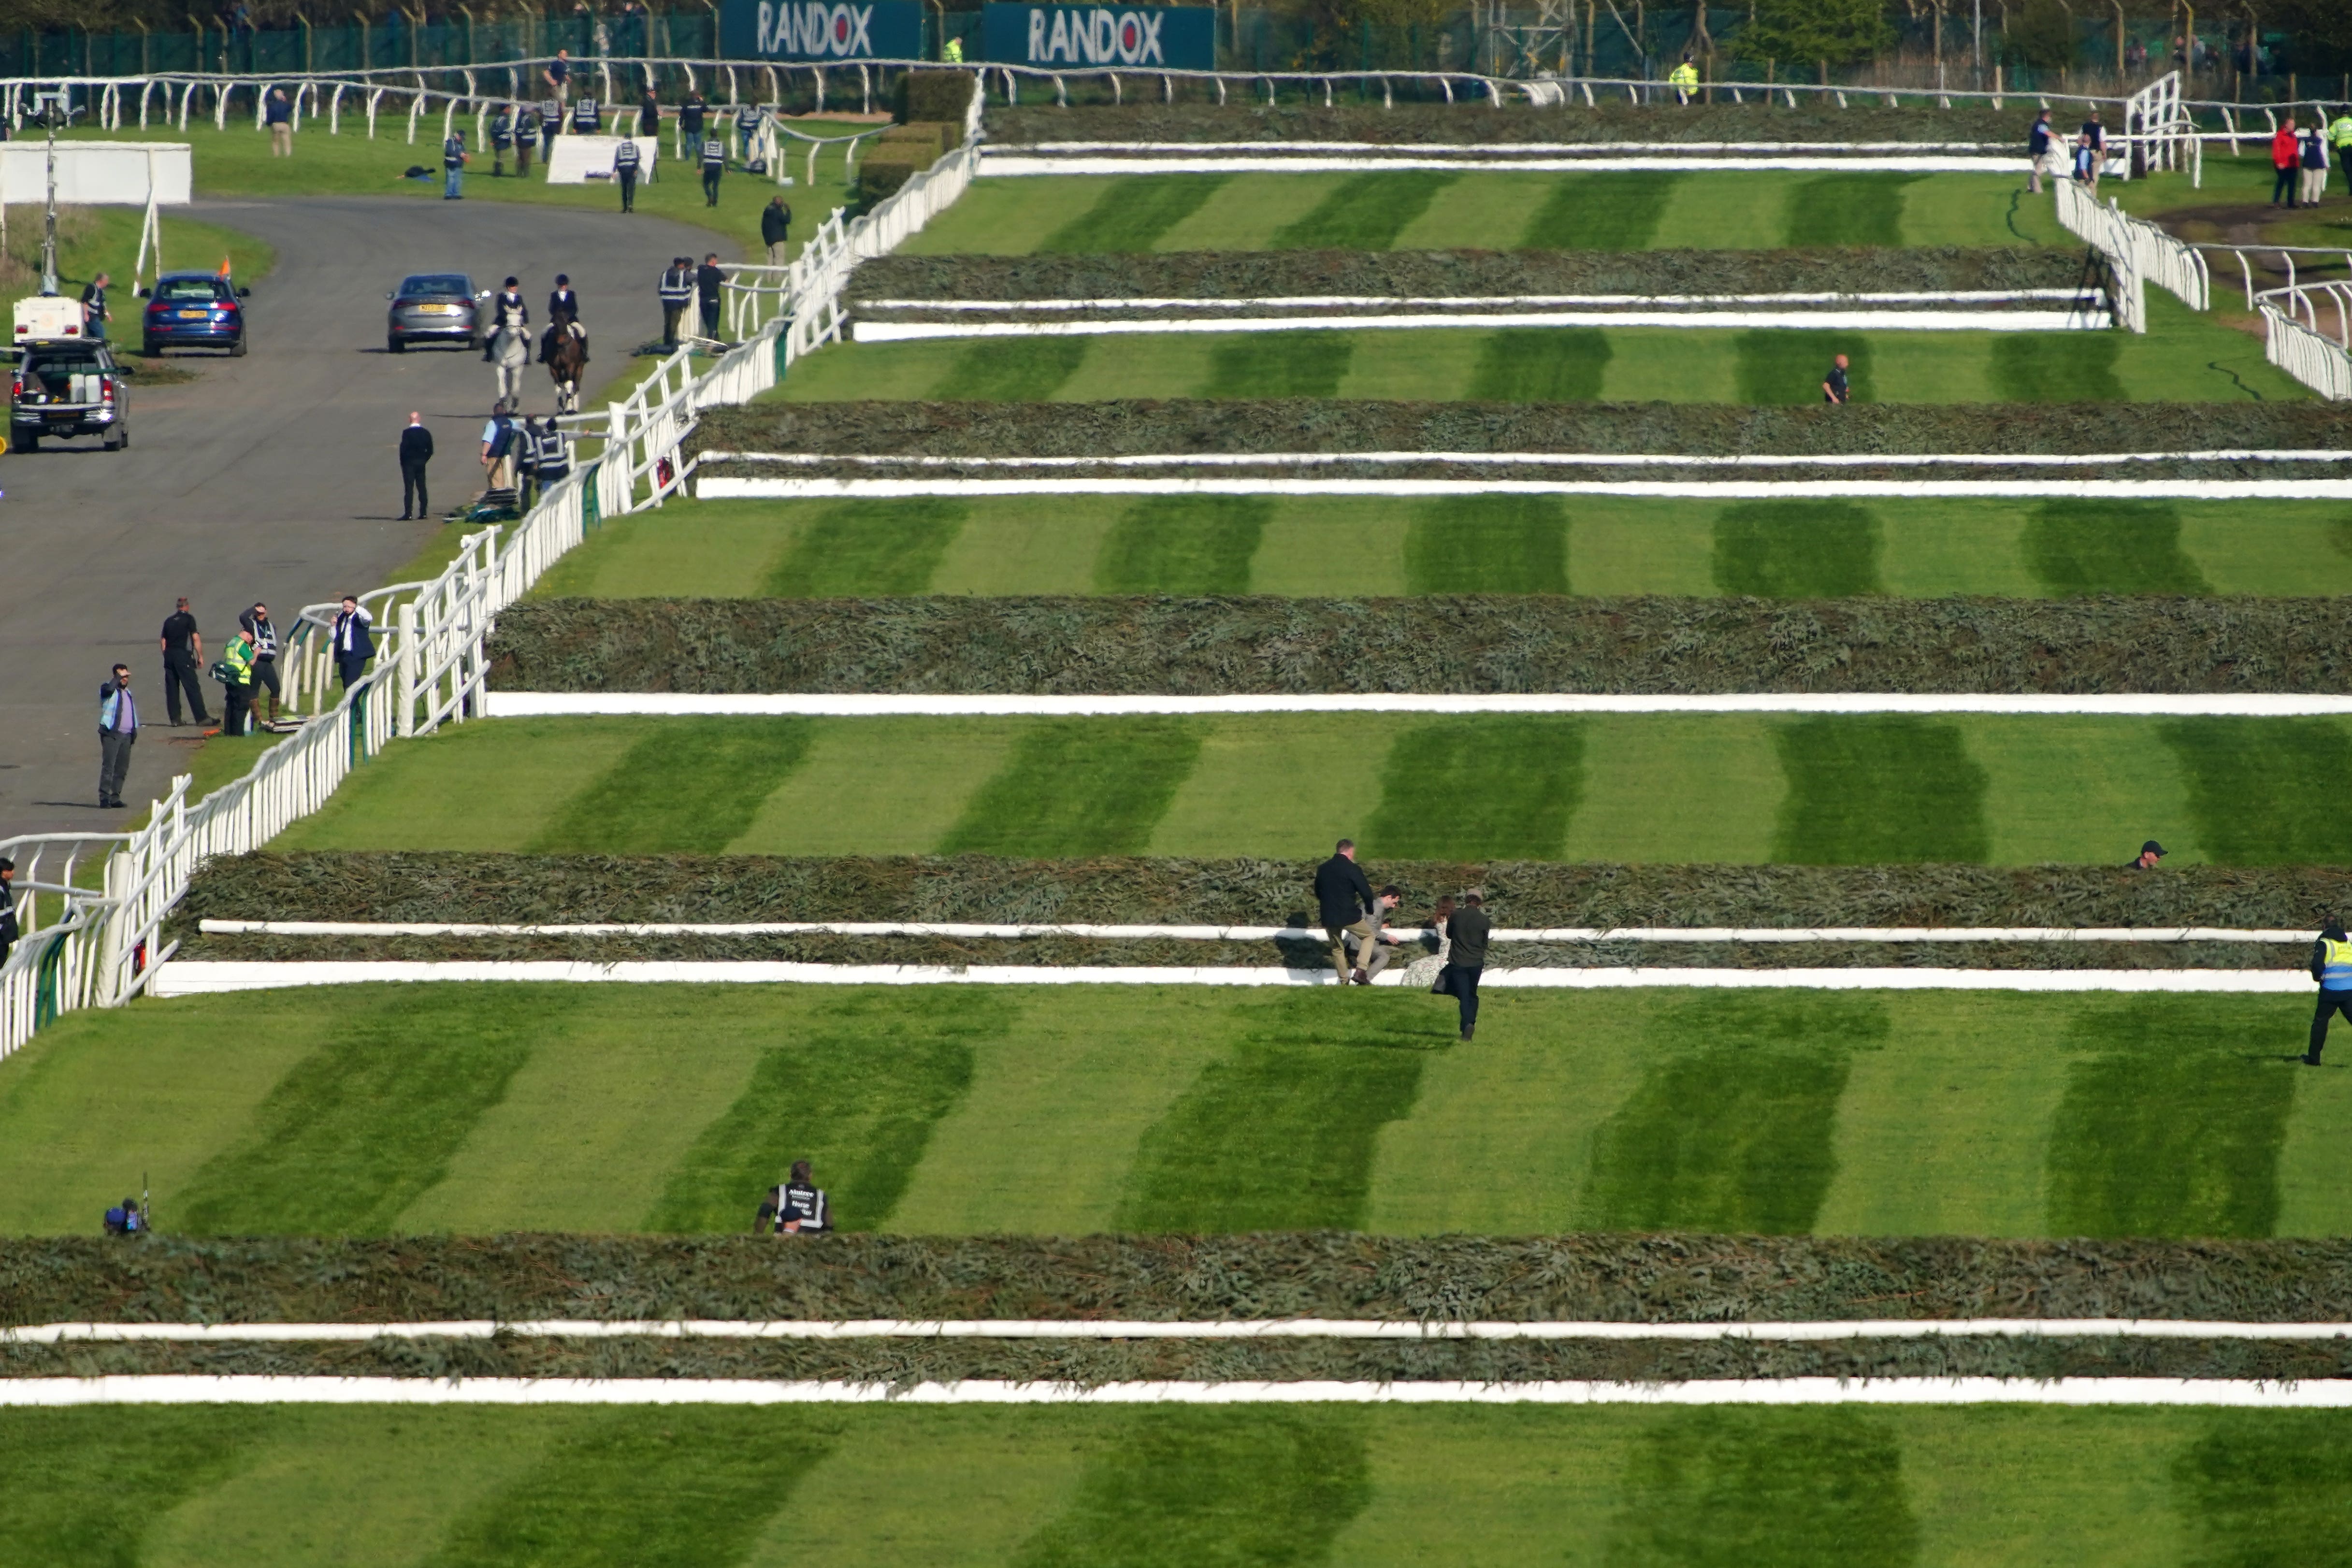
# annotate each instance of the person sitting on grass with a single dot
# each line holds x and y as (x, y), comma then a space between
(795, 1207)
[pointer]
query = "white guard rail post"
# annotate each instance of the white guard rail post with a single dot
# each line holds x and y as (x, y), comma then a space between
(2293, 340)
(104, 943)
(2105, 228)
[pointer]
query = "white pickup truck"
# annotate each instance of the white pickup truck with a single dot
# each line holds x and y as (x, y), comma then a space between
(64, 384)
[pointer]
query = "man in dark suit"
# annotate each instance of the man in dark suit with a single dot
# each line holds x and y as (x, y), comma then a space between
(1345, 895)
(1466, 932)
(353, 645)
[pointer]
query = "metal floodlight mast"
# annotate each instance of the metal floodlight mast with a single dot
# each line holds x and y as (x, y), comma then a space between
(53, 108)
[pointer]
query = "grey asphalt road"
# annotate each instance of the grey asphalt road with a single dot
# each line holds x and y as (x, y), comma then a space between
(272, 477)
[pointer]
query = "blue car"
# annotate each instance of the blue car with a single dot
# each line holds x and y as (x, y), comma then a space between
(194, 311)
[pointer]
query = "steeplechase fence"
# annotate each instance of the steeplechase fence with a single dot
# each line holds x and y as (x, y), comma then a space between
(93, 905)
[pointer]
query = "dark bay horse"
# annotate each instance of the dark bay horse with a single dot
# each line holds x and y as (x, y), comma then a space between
(565, 352)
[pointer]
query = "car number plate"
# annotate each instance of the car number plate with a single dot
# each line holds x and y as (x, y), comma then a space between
(194, 314)
(442, 309)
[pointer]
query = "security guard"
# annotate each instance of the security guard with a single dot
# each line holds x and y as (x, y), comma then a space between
(2331, 966)
(587, 119)
(236, 686)
(501, 138)
(1684, 80)
(553, 456)
(2340, 133)
(453, 165)
(747, 126)
(795, 1207)
(526, 137)
(677, 291)
(625, 171)
(714, 163)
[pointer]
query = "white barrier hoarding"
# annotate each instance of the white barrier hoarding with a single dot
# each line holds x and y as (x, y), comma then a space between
(98, 173)
(580, 159)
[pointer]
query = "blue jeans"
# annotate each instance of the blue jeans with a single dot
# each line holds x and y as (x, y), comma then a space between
(451, 191)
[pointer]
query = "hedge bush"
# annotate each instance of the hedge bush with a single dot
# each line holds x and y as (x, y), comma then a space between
(1330, 424)
(516, 889)
(1250, 275)
(1473, 120)
(1663, 1279)
(944, 96)
(1110, 645)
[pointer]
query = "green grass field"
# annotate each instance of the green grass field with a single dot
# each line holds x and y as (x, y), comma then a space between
(2184, 358)
(1441, 210)
(1312, 546)
(1174, 1489)
(238, 162)
(1626, 788)
(489, 1108)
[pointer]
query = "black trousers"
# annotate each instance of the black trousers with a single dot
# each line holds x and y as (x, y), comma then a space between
(672, 309)
(2283, 188)
(412, 488)
(180, 675)
(113, 762)
(710, 187)
(348, 668)
(239, 701)
(2329, 1003)
(628, 178)
(265, 674)
(1466, 991)
(710, 316)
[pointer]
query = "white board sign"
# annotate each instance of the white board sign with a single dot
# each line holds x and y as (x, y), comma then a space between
(580, 159)
(97, 174)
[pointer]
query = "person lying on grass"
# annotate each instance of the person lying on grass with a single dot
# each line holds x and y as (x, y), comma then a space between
(795, 1207)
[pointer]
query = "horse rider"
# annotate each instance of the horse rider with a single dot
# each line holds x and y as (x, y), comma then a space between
(507, 314)
(563, 305)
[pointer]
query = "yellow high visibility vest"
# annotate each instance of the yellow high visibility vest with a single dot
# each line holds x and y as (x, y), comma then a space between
(1683, 75)
(2336, 970)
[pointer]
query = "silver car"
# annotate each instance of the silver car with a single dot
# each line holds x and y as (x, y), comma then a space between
(431, 307)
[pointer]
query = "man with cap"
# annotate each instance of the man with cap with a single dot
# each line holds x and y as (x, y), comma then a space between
(2150, 853)
(2331, 966)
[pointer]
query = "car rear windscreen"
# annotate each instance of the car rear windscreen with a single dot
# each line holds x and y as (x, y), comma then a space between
(435, 283)
(188, 289)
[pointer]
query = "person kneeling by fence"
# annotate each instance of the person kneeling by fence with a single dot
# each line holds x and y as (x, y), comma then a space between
(795, 1207)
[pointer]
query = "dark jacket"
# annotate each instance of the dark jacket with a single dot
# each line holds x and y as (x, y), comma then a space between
(1469, 929)
(9, 932)
(562, 302)
(415, 444)
(1343, 891)
(363, 646)
(708, 280)
(775, 224)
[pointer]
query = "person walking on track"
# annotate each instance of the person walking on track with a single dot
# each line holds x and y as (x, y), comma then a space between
(118, 731)
(714, 163)
(415, 452)
(776, 230)
(184, 653)
(1343, 893)
(624, 171)
(2331, 966)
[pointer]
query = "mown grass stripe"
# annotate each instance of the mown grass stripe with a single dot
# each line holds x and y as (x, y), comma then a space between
(361, 1126)
(1784, 365)
(1132, 213)
(1539, 365)
(2270, 793)
(695, 1488)
(868, 550)
(1012, 369)
(2071, 367)
(1501, 785)
(856, 1094)
(1615, 210)
(1183, 1489)
(1488, 544)
(1747, 1489)
(1847, 209)
(1366, 211)
(2260, 1492)
(1878, 788)
(2109, 547)
(1279, 1134)
(1075, 787)
(1731, 1127)
(693, 786)
(1277, 364)
(70, 1474)
(1797, 550)
(2173, 1126)
(1183, 544)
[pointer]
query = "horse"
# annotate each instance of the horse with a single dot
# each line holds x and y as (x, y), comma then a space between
(565, 352)
(510, 351)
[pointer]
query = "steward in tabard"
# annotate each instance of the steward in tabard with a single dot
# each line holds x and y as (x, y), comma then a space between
(501, 138)
(714, 163)
(624, 171)
(526, 137)
(795, 1207)
(2331, 966)
(587, 119)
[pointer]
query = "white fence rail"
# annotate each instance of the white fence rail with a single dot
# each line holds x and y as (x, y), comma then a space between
(99, 943)
(2295, 338)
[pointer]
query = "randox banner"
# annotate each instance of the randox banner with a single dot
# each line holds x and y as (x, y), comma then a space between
(815, 30)
(1181, 37)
